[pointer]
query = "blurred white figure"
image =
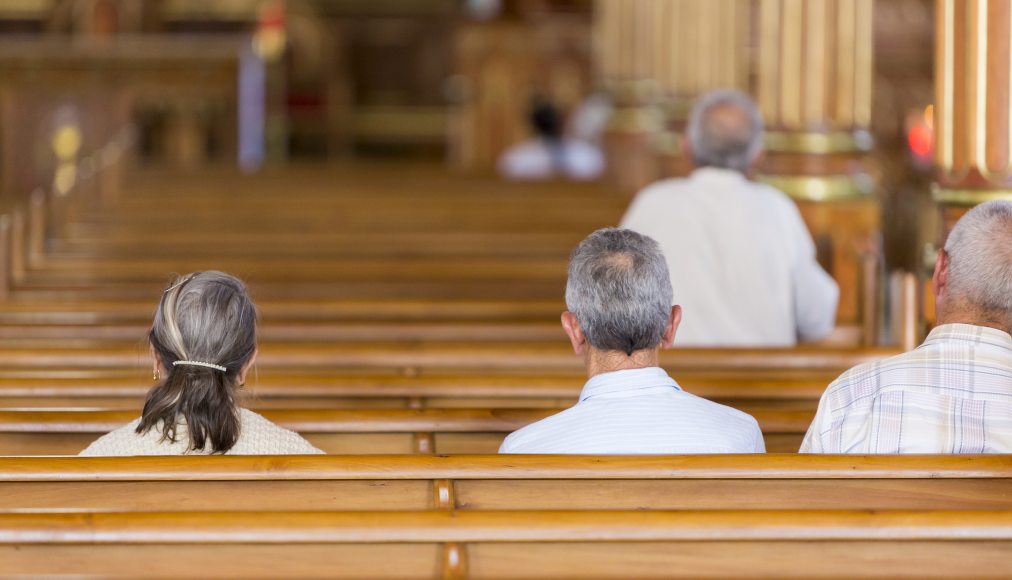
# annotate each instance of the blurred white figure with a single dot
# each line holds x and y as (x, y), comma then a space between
(741, 259)
(483, 10)
(588, 121)
(552, 155)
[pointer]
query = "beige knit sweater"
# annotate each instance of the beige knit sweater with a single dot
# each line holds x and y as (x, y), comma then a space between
(257, 436)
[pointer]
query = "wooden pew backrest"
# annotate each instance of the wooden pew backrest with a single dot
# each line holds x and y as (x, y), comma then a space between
(348, 431)
(434, 544)
(384, 483)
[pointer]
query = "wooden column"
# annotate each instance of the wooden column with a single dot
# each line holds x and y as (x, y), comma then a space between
(814, 87)
(698, 47)
(624, 35)
(973, 123)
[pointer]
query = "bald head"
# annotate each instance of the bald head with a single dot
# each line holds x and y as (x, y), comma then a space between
(977, 267)
(725, 130)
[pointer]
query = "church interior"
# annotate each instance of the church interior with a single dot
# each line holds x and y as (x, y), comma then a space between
(377, 173)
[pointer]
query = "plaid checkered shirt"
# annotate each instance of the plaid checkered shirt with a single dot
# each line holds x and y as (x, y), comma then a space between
(952, 394)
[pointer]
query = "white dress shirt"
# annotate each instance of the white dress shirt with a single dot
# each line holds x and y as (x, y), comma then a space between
(741, 260)
(952, 394)
(639, 411)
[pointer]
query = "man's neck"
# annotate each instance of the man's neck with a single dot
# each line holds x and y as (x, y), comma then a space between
(608, 361)
(972, 316)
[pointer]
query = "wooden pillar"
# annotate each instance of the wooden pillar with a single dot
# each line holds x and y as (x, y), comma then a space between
(698, 47)
(814, 87)
(624, 36)
(973, 123)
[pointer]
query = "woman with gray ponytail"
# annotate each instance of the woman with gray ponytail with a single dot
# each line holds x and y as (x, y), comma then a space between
(203, 342)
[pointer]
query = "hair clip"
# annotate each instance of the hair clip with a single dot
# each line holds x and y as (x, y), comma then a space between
(180, 283)
(194, 363)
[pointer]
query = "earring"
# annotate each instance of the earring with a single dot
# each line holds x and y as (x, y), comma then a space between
(155, 375)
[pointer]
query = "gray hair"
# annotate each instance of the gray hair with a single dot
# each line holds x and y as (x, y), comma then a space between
(619, 290)
(725, 130)
(980, 258)
(207, 318)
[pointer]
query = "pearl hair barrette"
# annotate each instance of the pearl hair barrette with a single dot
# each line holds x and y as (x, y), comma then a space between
(194, 363)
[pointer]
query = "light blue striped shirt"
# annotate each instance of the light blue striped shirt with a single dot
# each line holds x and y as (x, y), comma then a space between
(639, 411)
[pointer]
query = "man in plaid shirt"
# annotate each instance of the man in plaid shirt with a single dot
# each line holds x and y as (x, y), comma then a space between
(952, 394)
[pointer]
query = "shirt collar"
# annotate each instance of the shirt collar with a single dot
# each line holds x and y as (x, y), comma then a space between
(627, 382)
(717, 175)
(969, 333)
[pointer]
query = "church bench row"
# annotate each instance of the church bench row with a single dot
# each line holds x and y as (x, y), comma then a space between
(526, 356)
(339, 206)
(327, 244)
(146, 201)
(92, 288)
(301, 269)
(304, 282)
(516, 219)
(379, 331)
(348, 431)
(495, 244)
(518, 544)
(148, 187)
(291, 309)
(343, 320)
(529, 482)
(126, 389)
(433, 217)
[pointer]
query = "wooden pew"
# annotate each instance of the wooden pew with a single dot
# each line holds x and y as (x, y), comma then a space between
(527, 482)
(290, 309)
(495, 237)
(492, 244)
(126, 389)
(299, 269)
(518, 544)
(526, 356)
(491, 331)
(95, 288)
(349, 431)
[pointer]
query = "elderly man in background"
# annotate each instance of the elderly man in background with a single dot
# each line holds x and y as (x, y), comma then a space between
(620, 316)
(742, 261)
(953, 394)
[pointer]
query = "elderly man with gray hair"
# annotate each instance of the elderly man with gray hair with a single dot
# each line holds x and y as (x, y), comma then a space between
(953, 394)
(742, 261)
(620, 314)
